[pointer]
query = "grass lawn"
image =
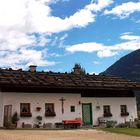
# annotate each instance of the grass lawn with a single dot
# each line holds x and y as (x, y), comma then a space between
(128, 131)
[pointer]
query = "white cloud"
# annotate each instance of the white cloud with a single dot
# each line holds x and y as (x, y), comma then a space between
(55, 55)
(62, 40)
(35, 16)
(77, 19)
(138, 21)
(42, 40)
(85, 47)
(96, 62)
(14, 40)
(126, 33)
(132, 43)
(24, 56)
(26, 24)
(31, 16)
(64, 37)
(125, 9)
(101, 4)
(93, 73)
(130, 37)
(106, 53)
(58, 41)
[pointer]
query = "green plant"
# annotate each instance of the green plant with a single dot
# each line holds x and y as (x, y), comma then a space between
(127, 131)
(138, 114)
(15, 118)
(135, 119)
(79, 68)
(138, 124)
(110, 124)
(122, 125)
(39, 118)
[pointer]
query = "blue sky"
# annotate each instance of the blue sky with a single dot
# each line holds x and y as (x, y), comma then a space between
(56, 34)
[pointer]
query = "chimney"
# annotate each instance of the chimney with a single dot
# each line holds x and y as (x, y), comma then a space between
(32, 68)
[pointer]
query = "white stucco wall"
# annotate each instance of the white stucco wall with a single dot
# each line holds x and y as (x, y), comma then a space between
(39, 100)
(114, 106)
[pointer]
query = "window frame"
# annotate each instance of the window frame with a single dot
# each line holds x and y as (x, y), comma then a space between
(26, 113)
(72, 108)
(51, 111)
(123, 110)
(107, 111)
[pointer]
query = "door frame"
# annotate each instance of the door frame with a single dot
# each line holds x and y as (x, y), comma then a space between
(91, 116)
(7, 114)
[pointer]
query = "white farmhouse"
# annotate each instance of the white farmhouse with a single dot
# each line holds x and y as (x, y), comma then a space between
(65, 96)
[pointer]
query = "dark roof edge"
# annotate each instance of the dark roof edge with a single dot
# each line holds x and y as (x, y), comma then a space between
(18, 88)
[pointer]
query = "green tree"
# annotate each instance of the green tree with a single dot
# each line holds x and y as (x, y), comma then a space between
(77, 69)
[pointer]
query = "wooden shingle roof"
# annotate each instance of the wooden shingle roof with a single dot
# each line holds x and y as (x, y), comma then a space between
(19, 78)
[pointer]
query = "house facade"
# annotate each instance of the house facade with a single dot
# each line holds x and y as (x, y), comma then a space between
(65, 96)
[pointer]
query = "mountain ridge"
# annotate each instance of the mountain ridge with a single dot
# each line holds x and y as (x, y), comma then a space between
(127, 67)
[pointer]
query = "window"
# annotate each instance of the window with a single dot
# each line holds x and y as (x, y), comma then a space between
(124, 110)
(72, 108)
(107, 112)
(49, 109)
(106, 109)
(25, 110)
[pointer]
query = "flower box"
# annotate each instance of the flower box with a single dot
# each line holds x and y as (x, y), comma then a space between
(50, 114)
(38, 108)
(25, 114)
(107, 114)
(125, 114)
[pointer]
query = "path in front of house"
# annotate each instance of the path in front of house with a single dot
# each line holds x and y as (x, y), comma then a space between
(80, 134)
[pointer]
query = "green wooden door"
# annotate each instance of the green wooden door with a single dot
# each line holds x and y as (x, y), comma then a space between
(87, 113)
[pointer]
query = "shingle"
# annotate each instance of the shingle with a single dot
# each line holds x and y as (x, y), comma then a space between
(67, 80)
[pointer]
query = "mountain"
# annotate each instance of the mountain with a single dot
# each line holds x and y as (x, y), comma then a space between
(127, 67)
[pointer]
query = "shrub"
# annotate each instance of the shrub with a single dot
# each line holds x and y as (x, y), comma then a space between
(138, 114)
(110, 124)
(138, 124)
(123, 125)
(107, 115)
(39, 118)
(15, 118)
